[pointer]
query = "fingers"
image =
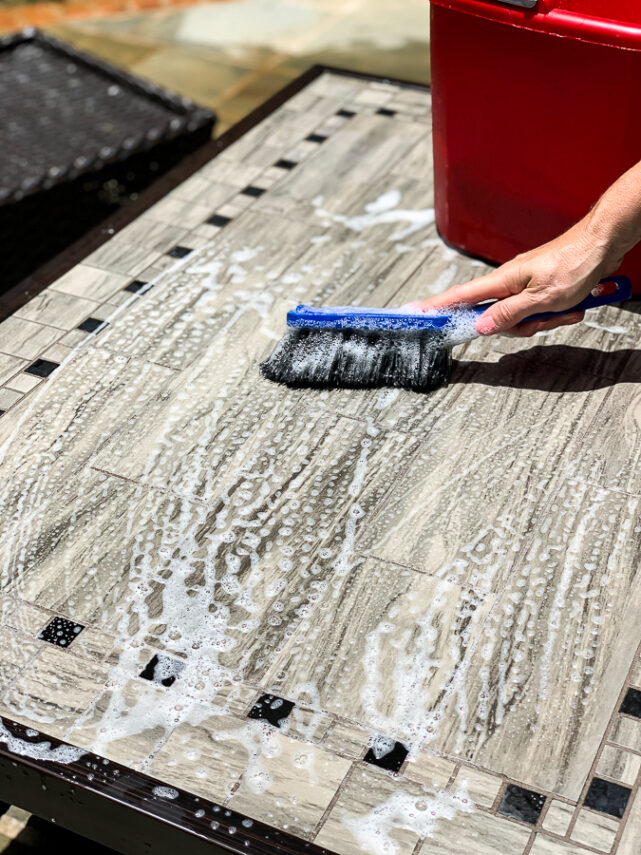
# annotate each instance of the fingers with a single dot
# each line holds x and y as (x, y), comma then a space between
(493, 286)
(530, 328)
(506, 314)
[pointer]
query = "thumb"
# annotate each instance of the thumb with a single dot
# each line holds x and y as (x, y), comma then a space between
(505, 314)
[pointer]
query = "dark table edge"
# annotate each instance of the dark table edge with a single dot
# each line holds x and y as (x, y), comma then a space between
(104, 801)
(124, 809)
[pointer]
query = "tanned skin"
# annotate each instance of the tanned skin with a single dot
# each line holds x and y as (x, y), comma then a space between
(559, 274)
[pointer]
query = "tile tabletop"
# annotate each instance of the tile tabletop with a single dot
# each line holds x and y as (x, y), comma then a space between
(375, 621)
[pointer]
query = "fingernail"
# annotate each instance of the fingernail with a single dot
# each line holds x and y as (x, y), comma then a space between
(412, 307)
(485, 325)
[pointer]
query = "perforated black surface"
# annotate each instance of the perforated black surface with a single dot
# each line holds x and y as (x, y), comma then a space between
(64, 114)
(78, 140)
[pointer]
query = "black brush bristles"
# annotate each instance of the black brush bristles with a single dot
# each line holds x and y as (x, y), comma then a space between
(331, 358)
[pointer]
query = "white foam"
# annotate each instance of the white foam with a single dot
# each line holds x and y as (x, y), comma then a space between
(385, 202)
(166, 793)
(373, 831)
(40, 750)
(614, 329)
(384, 210)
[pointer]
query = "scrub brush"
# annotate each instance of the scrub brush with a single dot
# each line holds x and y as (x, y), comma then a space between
(350, 347)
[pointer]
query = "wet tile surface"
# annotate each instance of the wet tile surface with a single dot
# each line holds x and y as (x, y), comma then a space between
(521, 804)
(271, 708)
(558, 817)
(276, 588)
(607, 797)
(595, 830)
(478, 833)
(61, 632)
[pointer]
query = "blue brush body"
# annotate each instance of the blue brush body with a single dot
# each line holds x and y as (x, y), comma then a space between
(357, 318)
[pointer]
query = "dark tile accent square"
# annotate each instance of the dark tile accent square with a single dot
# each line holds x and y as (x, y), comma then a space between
(607, 797)
(384, 111)
(250, 190)
(162, 669)
(317, 138)
(346, 113)
(632, 703)
(271, 708)
(218, 220)
(386, 753)
(61, 631)
(285, 164)
(91, 325)
(42, 368)
(524, 805)
(179, 252)
(135, 286)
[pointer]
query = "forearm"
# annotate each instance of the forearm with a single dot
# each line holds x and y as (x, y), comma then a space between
(558, 275)
(615, 221)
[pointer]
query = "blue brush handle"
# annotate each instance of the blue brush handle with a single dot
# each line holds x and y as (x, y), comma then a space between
(355, 317)
(623, 292)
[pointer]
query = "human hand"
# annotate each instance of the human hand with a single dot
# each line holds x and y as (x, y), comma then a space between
(550, 278)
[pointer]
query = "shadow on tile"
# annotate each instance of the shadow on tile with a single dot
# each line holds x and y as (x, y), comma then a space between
(586, 369)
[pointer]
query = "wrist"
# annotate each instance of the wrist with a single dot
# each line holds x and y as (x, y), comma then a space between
(605, 239)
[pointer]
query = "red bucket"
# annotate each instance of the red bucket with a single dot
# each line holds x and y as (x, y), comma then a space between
(536, 112)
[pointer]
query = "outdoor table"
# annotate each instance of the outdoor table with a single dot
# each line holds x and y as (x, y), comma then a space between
(238, 617)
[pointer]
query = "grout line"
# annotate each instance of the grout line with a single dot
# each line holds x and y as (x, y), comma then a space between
(498, 798)
(635, 751)
(530, 843)
(627, 716)
(343, 784)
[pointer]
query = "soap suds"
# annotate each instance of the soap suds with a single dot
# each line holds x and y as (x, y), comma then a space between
(614, 329)
(382, 211)
(422, 814)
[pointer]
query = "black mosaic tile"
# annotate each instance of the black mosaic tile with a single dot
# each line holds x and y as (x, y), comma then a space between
(162, 669)
(91, 325)
(135, 286)
(219, 220)
(250, 190)
(607, 797)
(285, 164)
(632, 703)
(347, 114)
(386, 753)
(179, 252)
(61, 631)
(524, 805)
(384, 111)
(42, 367)
(317, 138)
(271, 708)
